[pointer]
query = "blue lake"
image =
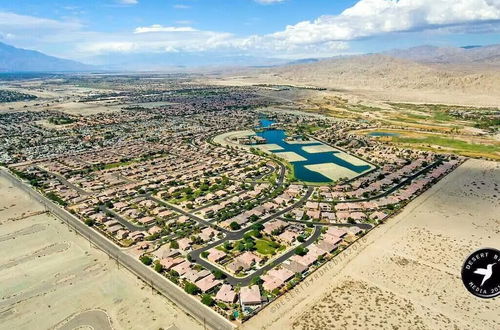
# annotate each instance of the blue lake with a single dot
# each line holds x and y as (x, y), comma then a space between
(276, 136)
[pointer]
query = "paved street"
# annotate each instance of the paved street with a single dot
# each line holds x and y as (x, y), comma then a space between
(236, 235)
(192, 306)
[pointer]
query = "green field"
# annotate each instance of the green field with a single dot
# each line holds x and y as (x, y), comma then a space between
(450, 143)
(266, 247)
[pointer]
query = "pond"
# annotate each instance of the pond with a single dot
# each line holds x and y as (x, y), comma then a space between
(277, 137)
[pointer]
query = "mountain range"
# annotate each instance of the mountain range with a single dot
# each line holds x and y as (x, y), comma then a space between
(14, 59)
(478, 55)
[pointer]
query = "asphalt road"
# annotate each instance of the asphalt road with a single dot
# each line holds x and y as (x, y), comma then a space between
(124, 222)
(245, 281)
(236, 235)
(176, 294)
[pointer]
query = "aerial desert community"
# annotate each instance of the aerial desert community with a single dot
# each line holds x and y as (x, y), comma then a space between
(348, 191)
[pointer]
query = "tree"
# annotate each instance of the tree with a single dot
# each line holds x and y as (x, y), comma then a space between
(146, 260)
(300, 250)
(174, 245)
(191, 288)
(218, 274)
(240, 246)
(301, 239)
(249, 246)
(256, 280)
(205, 254)
(227, 245)
(158, 267)
(207, 300)
(234, 225)
(254, 218)
(89, 222)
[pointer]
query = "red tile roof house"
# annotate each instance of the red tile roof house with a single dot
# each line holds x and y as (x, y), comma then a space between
(207, 283)
(330, 216)
(208, 233)
(226, 294)
(250, 295)
(336, 232)
(314, 214)
(312, 205)
(184, 243)
(378, 215)
(193, 275)
(182, 268)
(215, 255)
(248, 259)
(270, 226)
(282, 273)
(153, 230)
(168, 263)
(269, 206)
(357, 215)
(235, 266)
(122, 234)
(271, 283)
(146, 220)
(288, 236)
(275, 278)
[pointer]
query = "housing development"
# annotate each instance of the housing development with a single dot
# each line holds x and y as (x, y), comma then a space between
(225, 192)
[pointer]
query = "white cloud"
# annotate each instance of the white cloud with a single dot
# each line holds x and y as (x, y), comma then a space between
(14, 23)
(325, 36)
(374, 17)
(160, 28)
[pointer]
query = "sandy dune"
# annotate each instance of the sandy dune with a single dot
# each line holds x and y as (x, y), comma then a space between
(406, 273)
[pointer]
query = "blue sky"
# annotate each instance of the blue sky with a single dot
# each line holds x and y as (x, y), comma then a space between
(85, 30)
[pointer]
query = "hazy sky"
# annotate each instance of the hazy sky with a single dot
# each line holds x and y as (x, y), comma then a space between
(82, 30)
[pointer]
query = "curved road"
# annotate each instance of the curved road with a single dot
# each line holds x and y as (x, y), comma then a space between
(176, 294)
(236, 235)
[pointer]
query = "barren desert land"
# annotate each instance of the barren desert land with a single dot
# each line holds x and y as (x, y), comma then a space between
(52, 278)
(406, 273)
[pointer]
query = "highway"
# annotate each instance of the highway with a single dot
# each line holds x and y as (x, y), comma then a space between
(192, 306)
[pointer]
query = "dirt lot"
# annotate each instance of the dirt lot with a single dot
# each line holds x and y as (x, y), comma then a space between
(50, 278)
(406, 273)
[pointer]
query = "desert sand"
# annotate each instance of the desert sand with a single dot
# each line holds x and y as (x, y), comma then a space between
(332, 171)
(406, 273)
(318, 149)
(51, 278)
(290, 156)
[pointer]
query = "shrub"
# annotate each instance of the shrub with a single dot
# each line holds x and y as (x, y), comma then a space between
(191, 288)
(234, 225)
(158, 267)
(207, 300)
(146, 260)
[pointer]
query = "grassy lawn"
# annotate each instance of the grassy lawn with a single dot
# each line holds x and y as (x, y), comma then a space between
(266, 247)
(445, 142)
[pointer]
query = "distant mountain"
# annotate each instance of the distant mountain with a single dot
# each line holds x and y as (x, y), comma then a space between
(14, 59)
(489, 55)
(303, 61)
(184, 60)
(382, 73)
